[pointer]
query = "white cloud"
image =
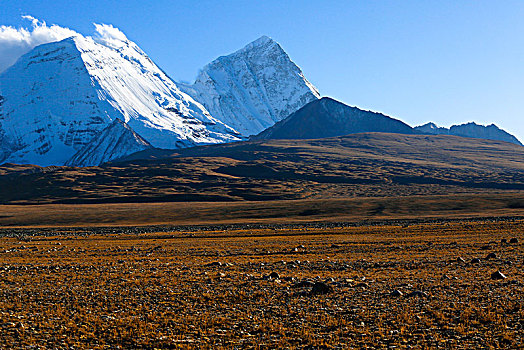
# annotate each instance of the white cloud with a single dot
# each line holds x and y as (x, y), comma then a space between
(108, 35)
(14, 42)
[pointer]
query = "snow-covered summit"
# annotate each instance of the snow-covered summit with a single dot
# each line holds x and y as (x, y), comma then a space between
(56, 98)
(252, 88)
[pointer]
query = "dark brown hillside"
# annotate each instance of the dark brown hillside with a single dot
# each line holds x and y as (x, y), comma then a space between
(358, 165)
(329, 118)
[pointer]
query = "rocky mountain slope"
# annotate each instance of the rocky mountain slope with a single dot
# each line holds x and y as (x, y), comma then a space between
(60, 95)
(253, 88)
(327, 118)
(490, 132)
(115, 141)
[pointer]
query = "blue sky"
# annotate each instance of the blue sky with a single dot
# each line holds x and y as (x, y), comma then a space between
(442, 61)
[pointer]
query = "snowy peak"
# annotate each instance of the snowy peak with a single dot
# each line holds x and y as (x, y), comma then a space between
(252, 88)
(58, 96)
(115, 141)
(264, 43)
(471, 129)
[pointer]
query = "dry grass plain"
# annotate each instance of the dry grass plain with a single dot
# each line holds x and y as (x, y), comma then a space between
(211, 289)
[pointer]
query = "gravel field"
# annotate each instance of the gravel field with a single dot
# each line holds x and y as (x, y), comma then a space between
(454, 284)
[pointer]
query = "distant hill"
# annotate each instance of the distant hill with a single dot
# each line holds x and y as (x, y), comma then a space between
(357, 165)
(327, 118)
(490, 132)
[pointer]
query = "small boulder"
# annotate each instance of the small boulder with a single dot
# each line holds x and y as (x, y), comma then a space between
(396, 293)
(303, 284)
(460, 260)
(503, 241)
(274, 275)
(417, 293)
(321, 288)
(497, 275)
(491, 256)
(475, 261)
(514, 240)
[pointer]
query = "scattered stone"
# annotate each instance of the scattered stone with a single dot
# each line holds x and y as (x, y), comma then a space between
(396, 293)
(214, 263)
(514, 240)
(321, 288)
(503, 241)
(497, 275)
(417, 293)
(475, 261)
(460, 260)
(329, 280)
(491, 256)
(362, 285)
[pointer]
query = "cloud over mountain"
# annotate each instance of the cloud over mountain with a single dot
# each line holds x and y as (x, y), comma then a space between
(14, 42)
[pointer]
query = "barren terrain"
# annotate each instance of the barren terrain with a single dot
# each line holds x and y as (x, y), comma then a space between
(408, 286)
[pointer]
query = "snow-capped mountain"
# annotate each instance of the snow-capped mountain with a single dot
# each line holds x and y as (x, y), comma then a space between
(253, 88)
(490, 132)
(328, 118)
(59, 96)
(115, 141)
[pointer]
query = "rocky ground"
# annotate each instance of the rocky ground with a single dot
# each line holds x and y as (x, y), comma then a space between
(456, 285)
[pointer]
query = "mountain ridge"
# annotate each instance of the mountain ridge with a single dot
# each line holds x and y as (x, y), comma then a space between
(115, 141)
(470, 129)
(328, 117)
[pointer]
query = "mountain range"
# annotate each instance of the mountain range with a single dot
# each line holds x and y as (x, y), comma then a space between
(85, 101)
(471, 129)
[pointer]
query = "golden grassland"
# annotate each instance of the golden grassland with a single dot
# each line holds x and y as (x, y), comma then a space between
(210, 289)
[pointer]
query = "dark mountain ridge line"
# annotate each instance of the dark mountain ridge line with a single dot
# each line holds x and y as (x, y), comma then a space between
(328, 117)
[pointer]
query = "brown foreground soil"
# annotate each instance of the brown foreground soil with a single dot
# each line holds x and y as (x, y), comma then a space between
(211, 289)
